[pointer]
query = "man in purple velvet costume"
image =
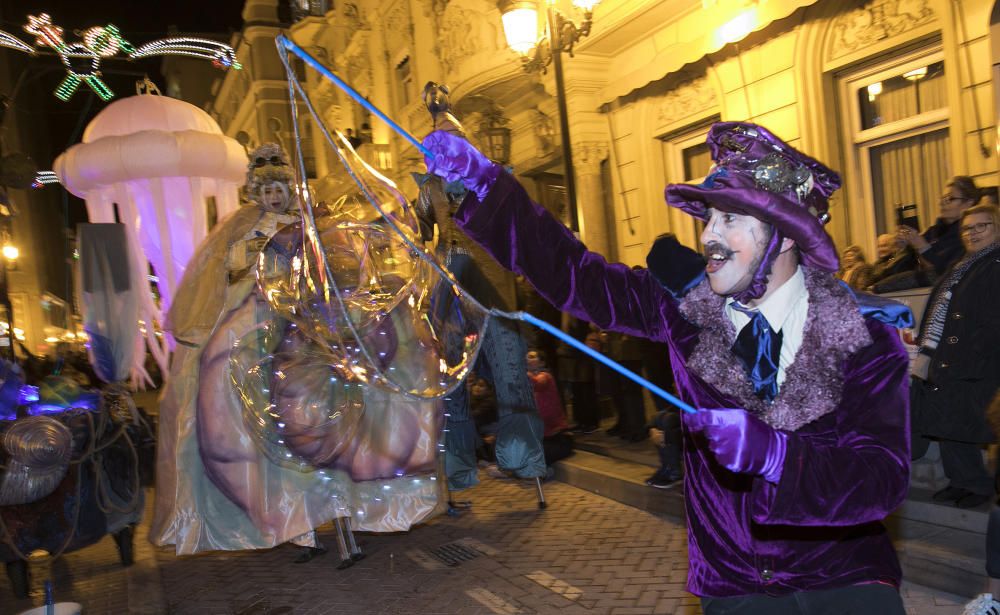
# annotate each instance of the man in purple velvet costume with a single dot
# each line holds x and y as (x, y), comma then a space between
(801, 446)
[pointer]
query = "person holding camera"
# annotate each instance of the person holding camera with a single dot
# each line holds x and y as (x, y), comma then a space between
(941, 244)
(923, 257)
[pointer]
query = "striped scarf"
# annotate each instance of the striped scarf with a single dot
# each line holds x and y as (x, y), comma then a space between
(938, 312)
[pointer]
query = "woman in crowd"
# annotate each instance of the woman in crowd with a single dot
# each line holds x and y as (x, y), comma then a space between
(957, 371)
(557, 443)
(854, 269)
(926, 256)
(941, 244)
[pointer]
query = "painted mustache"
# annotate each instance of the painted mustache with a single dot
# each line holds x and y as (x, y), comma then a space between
(717, 252)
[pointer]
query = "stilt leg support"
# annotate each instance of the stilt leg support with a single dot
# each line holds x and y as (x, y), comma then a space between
(345, 554)
(356, 553)
(541, 493)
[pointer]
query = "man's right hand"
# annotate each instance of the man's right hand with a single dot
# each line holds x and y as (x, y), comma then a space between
(455, 158)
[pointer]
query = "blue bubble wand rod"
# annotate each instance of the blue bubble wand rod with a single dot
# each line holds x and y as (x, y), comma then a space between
(541, 324)
(575, 343)
(364, 102)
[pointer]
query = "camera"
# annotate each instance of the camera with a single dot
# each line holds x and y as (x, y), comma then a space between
(906, 215)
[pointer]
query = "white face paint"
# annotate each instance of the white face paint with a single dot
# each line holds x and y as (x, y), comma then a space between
(734, 246)
(274, 197)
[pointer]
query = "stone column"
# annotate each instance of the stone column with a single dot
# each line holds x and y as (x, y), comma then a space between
(587, 158)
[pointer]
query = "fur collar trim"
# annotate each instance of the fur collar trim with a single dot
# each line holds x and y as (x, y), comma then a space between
(813, 383)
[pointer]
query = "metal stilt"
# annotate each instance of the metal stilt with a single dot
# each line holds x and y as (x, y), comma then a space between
(345, 554)
(356, 553)
(541, 492)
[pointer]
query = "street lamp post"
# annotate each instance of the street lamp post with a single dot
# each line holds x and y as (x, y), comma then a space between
(520, 23)
(10, 254)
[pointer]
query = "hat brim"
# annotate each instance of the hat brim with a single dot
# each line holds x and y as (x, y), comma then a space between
(741, 196)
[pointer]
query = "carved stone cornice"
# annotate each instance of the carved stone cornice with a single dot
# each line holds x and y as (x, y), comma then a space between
(876, 21)
(688, 98)
(588, 155)
(544, 131)
(398, 28)
(355, 61)
(354, 18)
(433, 8)
(461, 35)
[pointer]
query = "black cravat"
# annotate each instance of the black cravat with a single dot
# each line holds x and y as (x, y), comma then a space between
(758, 348)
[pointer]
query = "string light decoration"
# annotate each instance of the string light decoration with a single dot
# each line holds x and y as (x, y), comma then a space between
(222, 56)
(82, 59)
(43, 178)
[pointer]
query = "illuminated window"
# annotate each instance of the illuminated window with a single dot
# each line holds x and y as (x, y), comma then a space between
(687, 159)
(404, 82)
(896, 126)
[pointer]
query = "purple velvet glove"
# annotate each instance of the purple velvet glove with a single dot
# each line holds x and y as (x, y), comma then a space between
(456, 159)
(741, 442)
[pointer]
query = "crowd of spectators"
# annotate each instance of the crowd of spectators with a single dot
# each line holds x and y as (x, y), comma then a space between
(956, 368)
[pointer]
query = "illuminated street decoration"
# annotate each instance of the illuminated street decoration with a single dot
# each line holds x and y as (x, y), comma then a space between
(82, 59)
(222, 56)
(43, 178)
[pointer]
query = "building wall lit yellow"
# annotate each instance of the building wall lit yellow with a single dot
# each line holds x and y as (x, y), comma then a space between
(641, 90)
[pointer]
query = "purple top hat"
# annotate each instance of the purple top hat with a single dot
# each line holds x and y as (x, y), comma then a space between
(758, 174)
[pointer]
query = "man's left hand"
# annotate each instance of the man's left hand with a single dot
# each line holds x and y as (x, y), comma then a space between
(455, 159)
(741, 442)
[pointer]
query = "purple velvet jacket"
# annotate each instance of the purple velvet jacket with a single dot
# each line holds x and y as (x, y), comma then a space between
(844, 403)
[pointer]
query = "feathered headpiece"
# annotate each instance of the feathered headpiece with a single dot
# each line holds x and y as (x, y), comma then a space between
(268, 164)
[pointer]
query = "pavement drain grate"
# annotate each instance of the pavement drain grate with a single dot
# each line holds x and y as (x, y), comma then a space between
(454, 553)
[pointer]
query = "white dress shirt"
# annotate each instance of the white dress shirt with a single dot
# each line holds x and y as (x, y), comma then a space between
(785, 310)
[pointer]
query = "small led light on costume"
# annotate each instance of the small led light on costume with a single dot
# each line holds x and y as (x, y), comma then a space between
(28, 394)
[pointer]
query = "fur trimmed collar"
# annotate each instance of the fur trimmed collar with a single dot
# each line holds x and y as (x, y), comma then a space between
(834, 330)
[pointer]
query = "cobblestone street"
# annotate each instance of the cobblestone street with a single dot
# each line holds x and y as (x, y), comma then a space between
(583, 554)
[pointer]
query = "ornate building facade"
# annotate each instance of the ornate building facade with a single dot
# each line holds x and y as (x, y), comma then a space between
(897, 94)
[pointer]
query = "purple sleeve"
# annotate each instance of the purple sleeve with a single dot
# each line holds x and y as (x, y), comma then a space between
(858, 472)
(526, 239)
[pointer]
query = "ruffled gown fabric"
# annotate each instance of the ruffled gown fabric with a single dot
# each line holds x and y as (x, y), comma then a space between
(215, 489)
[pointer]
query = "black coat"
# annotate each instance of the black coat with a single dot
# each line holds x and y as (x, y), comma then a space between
(964, 372)
(946, 245)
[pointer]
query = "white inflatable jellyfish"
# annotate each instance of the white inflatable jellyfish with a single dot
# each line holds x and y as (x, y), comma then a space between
(171, 173)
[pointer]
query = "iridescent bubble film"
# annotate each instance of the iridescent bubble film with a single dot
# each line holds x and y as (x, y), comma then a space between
(366, 330)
